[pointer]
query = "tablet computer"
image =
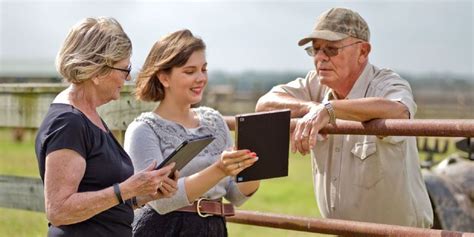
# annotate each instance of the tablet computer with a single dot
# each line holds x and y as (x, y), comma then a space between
(185, 152)
(268, 135)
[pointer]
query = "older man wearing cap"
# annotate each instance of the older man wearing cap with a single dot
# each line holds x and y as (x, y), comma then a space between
(356, 177)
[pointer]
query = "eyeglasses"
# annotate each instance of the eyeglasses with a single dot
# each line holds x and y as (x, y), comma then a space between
(127, 71)
(329, 51)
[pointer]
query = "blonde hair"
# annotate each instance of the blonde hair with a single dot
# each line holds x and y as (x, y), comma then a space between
(90, 46)
(171, 51)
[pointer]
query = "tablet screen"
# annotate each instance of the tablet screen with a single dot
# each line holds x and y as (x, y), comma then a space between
(186, 151)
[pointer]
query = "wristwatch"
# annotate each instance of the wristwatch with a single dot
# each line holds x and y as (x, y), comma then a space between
(332, 114)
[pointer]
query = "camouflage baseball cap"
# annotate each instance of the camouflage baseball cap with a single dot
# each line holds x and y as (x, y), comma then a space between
(337, 24)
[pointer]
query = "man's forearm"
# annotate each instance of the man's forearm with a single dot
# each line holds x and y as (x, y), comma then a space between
(275, 101)
(369, 108)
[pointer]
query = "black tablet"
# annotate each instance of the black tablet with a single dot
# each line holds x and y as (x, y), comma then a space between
(185, 152)
(268, 135)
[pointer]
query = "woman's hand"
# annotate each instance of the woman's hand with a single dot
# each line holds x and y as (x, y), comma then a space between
(149, 182)
(234, 161)
(167, 189)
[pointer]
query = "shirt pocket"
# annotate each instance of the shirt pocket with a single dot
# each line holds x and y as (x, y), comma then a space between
(367, 165)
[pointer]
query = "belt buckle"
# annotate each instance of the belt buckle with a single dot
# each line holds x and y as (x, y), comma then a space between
(198, 208)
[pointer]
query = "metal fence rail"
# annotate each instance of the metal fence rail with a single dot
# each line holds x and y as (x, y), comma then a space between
(333, 226)
(395, 127)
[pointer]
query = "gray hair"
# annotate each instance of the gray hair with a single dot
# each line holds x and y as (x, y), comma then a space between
(90, 46)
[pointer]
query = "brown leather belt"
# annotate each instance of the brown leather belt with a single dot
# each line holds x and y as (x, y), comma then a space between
(204, 208)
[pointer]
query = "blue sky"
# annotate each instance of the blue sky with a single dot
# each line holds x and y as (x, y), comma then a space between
(417, 37)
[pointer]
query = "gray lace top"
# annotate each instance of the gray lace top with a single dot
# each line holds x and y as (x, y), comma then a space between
(150, 137)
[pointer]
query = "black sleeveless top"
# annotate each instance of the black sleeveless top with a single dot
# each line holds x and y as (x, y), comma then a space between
(65, 127)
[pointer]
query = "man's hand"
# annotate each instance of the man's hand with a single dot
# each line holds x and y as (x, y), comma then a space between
(307, 129)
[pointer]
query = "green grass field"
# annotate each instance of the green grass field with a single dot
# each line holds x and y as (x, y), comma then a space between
(292, 195)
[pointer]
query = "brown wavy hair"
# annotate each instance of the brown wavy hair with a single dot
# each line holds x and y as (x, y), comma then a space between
(173, 50)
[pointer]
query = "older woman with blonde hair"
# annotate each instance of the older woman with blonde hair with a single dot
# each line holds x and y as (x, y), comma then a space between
(175, 73)
(89, 185)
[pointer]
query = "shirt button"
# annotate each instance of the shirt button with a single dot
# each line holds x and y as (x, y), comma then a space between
(337, 149)
(334, 178)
